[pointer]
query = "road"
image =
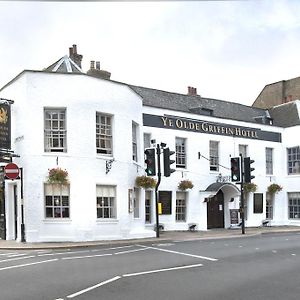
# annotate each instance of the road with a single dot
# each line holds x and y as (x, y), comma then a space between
(261, 267)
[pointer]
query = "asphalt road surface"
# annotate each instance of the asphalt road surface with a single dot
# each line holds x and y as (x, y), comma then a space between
(261, 268)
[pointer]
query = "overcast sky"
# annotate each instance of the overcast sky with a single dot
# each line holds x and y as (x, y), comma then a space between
(228, 50)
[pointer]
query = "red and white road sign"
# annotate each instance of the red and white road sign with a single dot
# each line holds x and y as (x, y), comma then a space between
(11, 171)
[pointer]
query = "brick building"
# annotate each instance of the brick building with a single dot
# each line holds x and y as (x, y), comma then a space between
(277, 93)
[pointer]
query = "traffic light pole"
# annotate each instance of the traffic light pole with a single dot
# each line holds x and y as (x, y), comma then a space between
(156, 188)
(242, 208)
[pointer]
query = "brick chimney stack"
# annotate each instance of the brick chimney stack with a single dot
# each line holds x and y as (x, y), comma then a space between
(192, 91)
(77, 58)
(95, 71)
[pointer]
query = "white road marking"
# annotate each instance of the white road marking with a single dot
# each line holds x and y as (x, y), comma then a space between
(114, 248)
(29, 264)
(293, 254)
(130, 275)
(7, 254)
(181, 253)
(93, 287)
(16, 255)
(86, 256)
(16, 258)
(163, 245)
(274, 251)
(64, 253)
(162, 270)
(131, 251)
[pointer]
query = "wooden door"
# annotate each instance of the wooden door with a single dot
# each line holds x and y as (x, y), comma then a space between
(215, 211)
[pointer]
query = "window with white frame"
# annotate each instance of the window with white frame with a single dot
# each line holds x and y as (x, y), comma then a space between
(55, 132)
(106, 201)
(134, 142)
(243, 150)
(269, 206)
(103, 134)
(180, 207)
(180, 153)
(269, 161)
(136, 203)
(293, 157)
(57, 201)
(294, 205)
(148, 207)
(214, 156)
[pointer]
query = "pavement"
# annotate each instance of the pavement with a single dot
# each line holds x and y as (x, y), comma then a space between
(164, 236)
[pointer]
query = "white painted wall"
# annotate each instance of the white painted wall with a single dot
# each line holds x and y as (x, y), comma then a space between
(83, 96)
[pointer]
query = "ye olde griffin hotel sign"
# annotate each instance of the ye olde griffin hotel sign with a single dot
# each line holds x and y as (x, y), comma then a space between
(173, 122)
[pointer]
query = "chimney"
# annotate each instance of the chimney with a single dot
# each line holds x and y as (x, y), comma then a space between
(77, 58)
(192, 91)
(97, 72)
(92, 67)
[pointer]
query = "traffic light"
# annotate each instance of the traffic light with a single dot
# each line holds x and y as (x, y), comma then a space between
(235, 169)
(150, 162)
(168, 162)
(248, 170)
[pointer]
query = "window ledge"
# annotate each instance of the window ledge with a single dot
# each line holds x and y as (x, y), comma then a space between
(56, 154)
(104, 156)
(107, 221)
(57, 220)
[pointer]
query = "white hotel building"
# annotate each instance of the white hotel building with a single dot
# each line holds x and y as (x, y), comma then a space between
(96, 129)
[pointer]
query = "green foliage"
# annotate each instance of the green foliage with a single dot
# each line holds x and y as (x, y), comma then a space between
(58, 175)
(185, 184)
(145, 182)
(250, 187)
(274, 188)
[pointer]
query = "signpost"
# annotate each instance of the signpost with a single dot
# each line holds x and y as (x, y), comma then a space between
(11, 171)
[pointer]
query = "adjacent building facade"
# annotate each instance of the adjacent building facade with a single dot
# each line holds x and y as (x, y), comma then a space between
(96, 130)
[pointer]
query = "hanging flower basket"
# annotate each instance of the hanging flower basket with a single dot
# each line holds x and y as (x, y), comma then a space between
(58, 175)
(250, 187)
(145, 182)
(274, 188)
(185, 185)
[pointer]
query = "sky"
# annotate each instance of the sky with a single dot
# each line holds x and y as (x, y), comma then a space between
(228, 50)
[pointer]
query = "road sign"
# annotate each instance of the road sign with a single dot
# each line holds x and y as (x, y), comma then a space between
(11, 171)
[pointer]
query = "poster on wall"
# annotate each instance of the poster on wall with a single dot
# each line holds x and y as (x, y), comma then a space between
(5, 126)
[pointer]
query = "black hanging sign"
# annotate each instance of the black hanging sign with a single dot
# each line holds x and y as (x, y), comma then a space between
(5, 126)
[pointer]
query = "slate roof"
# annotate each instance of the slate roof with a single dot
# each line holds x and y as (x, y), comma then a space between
(286, 115)
(198, 105)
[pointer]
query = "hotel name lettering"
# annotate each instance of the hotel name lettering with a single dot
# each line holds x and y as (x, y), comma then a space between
(208, 128)
(178, 123)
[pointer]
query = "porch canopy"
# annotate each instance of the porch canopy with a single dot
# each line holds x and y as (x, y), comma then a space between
(227, 188)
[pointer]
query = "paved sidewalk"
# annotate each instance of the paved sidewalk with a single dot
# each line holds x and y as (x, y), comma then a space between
(164, 236)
